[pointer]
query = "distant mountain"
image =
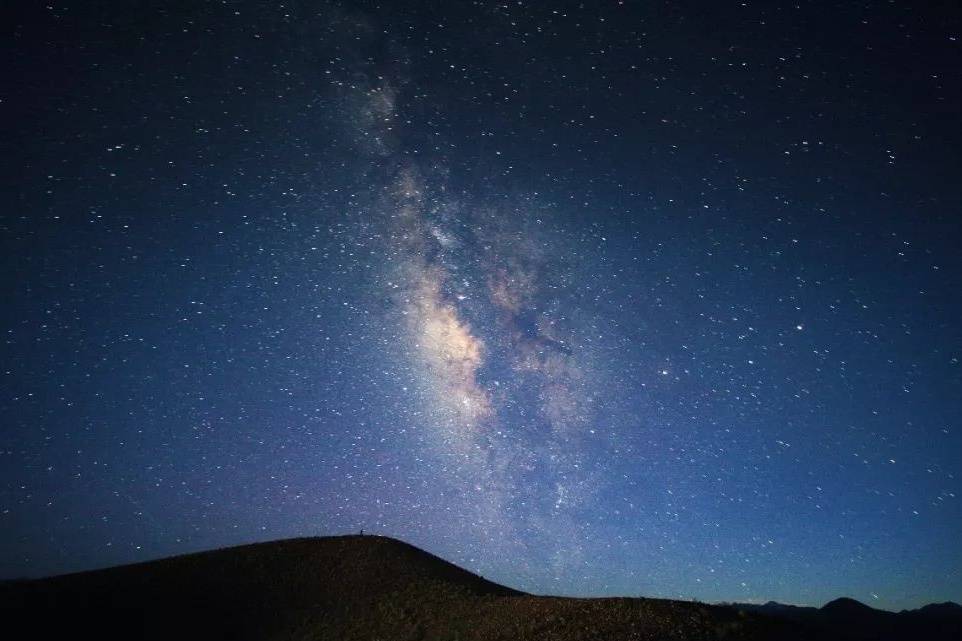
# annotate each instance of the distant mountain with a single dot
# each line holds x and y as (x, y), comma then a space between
(847, 618)
(352, 587)
(947, 610)
(846, 606)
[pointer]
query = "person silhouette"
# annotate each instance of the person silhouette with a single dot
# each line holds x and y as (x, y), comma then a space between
(362, 531)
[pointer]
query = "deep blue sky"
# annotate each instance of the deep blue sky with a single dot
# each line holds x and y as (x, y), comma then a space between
(614, 299)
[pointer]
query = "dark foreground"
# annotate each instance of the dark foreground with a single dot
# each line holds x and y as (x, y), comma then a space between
(376, 588)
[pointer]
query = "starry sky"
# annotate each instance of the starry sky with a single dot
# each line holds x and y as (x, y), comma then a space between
(609, 298)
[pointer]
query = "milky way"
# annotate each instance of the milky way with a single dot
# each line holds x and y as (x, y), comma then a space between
(593, 299)
(497, 376)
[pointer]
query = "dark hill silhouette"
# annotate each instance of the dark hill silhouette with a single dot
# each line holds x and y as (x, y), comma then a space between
(846, 607)
(254, 591)
(352, 587)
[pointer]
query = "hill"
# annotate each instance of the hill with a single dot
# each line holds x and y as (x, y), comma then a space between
(369, 587)
(340, 588)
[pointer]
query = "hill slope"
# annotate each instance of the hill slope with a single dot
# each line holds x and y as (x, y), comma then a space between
(340, 588)
(372, 587)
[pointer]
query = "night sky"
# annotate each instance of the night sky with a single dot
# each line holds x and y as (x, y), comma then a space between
(641, 298)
